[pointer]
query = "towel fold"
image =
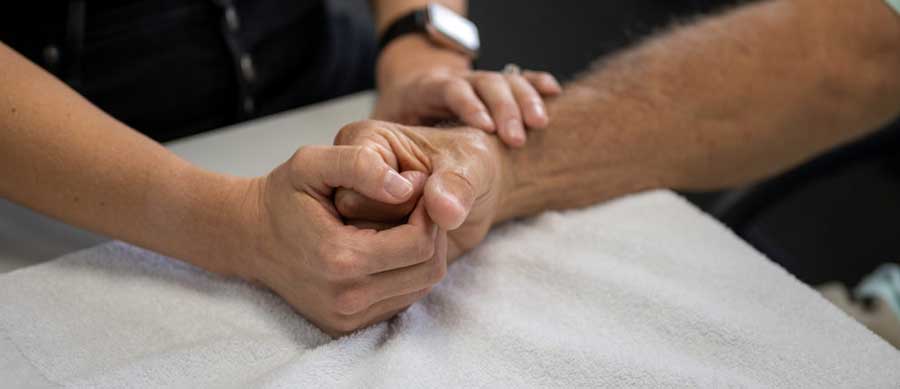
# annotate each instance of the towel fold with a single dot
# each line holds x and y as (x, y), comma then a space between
(642, 292)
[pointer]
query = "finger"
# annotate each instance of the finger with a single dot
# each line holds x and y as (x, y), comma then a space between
(496, 93)
(387, 309)
(461, 99)
(370, 225)
(449, 196)
(354, 206)
(403, 246)
(544, 82)
(353, 167)
(530, 102)
(417, 277)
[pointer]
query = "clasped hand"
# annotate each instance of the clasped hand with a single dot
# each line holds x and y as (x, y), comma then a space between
(312, 247)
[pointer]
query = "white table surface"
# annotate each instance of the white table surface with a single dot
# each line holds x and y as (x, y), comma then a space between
(247, 149)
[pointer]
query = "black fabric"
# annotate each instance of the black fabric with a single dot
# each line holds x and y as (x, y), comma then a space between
(165, 67)
(564, 37)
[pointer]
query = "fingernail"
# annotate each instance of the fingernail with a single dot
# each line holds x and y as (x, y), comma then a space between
(538, 109)
(514, 125)
(459, 210)
(485, 120)
(518, 139)
(555, 84)
(396, 185)
(516, 131)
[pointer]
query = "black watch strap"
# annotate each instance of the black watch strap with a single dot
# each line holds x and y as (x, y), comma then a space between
(413, 22)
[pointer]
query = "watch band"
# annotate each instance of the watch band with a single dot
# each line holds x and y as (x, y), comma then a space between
(413, 22)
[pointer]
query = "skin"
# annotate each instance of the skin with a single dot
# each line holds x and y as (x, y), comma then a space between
(655, 116)
(280, 230)
(421, 83)
(723, 102)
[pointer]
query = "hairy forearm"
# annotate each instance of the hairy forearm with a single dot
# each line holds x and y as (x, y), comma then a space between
(63, 157)
(728, 100)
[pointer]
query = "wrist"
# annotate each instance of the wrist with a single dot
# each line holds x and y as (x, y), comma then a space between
(508, 182)
(410, 55)
(213, 226)
(563, 167)
(249, 237)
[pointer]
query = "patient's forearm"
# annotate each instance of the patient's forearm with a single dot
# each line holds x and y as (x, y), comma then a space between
(726, 101)
(63, 157)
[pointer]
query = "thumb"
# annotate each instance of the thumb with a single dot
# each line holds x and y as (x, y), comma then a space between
(449, 196)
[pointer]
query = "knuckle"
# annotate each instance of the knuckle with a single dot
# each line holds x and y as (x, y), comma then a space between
(340, 263)
(351, 130)
(302, 155)
(350, 301)
(361, 124)
(347, 132)
(365, 157)
(436, 79)
(299, 163)
(455, 85)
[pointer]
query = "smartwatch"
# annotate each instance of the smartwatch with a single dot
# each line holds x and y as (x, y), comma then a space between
(441, 25)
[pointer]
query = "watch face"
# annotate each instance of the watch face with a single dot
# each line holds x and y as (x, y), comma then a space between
(456, 28)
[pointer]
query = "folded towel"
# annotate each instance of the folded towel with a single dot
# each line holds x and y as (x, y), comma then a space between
(642, 292)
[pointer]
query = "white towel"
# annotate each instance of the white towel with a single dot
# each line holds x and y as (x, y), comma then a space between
(642, 292)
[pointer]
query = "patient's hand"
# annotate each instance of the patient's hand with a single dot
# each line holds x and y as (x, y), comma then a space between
(459, 174)
(339, 277)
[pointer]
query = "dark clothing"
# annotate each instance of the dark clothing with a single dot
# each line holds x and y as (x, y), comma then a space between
(172, 68)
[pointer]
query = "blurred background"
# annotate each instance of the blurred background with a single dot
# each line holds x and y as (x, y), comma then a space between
(834, 219)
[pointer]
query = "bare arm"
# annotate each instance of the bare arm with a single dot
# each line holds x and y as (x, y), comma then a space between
(62, 156)
(731, 99)
(722, 102)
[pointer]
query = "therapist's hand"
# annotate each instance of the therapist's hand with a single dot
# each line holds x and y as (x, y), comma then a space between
(420, 84)
(460, 174)
(339, 277)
